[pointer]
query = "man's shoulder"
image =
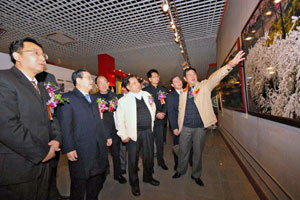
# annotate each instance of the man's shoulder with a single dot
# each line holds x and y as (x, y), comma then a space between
(69, 94)
(162, 88)
(6, 73)
(148, 88)
(172, 94)
(125, 99)
(112, 94)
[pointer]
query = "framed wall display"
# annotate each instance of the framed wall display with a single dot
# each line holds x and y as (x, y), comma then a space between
(219, 103)
(231, 88)
(271, 40)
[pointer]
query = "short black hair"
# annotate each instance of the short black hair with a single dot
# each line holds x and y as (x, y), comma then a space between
(123, 84)
(126, 80)
(172, 78)
(188, 69)
(101, 76)
(18, 45)
(149, 73)
(77, 74)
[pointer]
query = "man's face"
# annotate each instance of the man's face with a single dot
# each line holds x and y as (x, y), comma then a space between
(102, 84)
(86, 82)
(31, 58)
(154, 79)
(177, 83)
(191, 77)
(134, 85)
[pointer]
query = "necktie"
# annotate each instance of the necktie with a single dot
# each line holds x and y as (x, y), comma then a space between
(35, 86)
(87, 96)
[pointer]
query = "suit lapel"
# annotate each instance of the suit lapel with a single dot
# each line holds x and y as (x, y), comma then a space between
(26, 83)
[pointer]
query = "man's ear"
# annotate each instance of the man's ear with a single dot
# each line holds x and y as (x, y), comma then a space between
(16, 56)
(184, 79)
(172, 85)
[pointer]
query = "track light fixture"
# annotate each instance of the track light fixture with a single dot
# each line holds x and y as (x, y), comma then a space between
(169, 7)
(165, 6)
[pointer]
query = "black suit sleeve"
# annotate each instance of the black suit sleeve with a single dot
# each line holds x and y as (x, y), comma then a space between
(65, 114)
(172, 112)
(55, 128)
(13, 133)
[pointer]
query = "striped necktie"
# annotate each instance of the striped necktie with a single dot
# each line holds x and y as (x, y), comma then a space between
(35, 86)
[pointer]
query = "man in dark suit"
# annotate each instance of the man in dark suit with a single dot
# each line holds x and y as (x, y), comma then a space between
(108, 117)
(84, 139)
(160, 117)
(28, 139)
(172, 108)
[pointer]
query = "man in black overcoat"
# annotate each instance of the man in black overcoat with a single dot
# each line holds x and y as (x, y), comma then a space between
(158, 93)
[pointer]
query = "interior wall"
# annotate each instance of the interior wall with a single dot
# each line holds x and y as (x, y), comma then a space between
(63, 75)
(269, 150)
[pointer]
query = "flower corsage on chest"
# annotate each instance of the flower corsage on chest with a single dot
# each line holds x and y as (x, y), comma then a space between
(55, 99)
(193, 92)
(162, 96)
(151, 100)
(104, 105)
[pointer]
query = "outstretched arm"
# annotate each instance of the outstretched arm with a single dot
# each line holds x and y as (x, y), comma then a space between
(217, 76)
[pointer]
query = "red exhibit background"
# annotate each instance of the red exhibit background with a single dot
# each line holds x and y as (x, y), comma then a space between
(106, 67)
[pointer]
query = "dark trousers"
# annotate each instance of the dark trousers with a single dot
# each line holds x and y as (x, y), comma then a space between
(53, 191)
(145, 143)
(123, 156)
(165, 130)
(115, 152)
(159, 141)
(36, 189)
(87, 187)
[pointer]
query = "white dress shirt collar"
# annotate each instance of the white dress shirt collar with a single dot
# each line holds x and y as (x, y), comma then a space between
(136, 95)
(34, 79)
(179, 91)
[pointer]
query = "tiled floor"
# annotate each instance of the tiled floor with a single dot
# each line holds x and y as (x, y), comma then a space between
(222, 176)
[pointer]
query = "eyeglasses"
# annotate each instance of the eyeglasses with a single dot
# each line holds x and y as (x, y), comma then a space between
(35, 52)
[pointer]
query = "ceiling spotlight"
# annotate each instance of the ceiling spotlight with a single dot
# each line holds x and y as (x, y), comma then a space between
(253, 31)
(182, 51)
(176, 34)
(277, 1)
(177, 39)
(173, 26)
(180, 46)
(165, 6)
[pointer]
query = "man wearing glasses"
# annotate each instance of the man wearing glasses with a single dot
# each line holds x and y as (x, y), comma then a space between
(28, 138)
(159, 95)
